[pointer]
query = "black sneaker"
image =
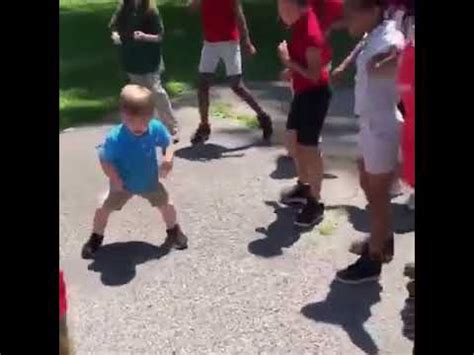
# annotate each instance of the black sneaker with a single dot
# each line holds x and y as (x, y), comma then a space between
(266, 125)
(175, 138)
(201, 135)
(363, 270)
(311, 214)
(295, 194)
(92, 245)
(176, 239)
(360, 247)
(409, 270)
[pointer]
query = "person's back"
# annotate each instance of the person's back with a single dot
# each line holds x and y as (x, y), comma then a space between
(219, 20)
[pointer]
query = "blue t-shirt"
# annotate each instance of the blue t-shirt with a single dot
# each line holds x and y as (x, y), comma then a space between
(134, 157)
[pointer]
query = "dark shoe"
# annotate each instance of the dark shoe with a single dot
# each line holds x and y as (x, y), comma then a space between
(266, 125)
(361, 246)
(176, 239)
(175, 138)
(409, 270)
(411, 288)
(311, 214)
(93, 244)
(363, 270)
(295, 194)
(201, 135)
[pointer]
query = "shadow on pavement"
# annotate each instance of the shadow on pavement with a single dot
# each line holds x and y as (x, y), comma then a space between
(285, 169)
(349, 307)
(210, 151)
(403, 219)
(117, 262)
(281, 233)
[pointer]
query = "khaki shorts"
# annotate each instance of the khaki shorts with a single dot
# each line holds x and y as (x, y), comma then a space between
(115, 200)
(228, 52)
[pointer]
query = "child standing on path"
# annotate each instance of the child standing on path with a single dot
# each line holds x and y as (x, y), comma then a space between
(138, 29)
(380, 121)
(128, 158)
(306, 58)
(224, 27)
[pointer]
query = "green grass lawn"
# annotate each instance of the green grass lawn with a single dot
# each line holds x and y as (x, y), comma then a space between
(90, 75)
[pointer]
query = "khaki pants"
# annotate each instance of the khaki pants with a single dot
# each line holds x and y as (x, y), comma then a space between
(115, 200)
(152, 81)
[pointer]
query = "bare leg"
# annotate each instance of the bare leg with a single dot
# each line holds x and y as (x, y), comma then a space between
(380, 211)
(309, 158)
(240, 90)
(169, 215)
(101, 219)
(291, 144)
(204, 84)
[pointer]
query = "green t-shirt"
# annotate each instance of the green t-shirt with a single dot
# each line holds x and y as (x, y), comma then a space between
(138, 57)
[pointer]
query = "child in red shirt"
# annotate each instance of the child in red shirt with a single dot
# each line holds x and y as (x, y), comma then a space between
(306, 58)
(224, 27)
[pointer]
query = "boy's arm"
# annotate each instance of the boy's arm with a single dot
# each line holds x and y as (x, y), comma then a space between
(243, 28)
(350, 59)
(110, 171)
(167, 163)
(168, 154)
(383, 64)
(313, 58)
(313, 71)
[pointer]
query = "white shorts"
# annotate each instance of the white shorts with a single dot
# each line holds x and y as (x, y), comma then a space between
(228, 52)
(379, 149)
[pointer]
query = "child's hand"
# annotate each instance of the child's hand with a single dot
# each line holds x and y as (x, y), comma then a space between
(286, 75)
(139, 36)
(116, 38)
(250, 48)
(283, 53)
(165, 168)
(337, 73)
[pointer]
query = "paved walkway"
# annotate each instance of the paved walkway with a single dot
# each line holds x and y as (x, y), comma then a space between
(250, 282)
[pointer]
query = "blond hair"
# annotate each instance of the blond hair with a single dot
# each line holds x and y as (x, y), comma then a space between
(136, 100)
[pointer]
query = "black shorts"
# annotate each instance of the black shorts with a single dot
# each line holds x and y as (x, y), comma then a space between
(307, 114)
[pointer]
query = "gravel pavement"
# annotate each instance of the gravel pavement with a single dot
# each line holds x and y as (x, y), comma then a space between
(250, 282)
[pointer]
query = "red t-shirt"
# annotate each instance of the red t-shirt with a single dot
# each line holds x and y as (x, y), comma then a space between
(219, 20)
(327, 11)
(62, 296)
(306, 33)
